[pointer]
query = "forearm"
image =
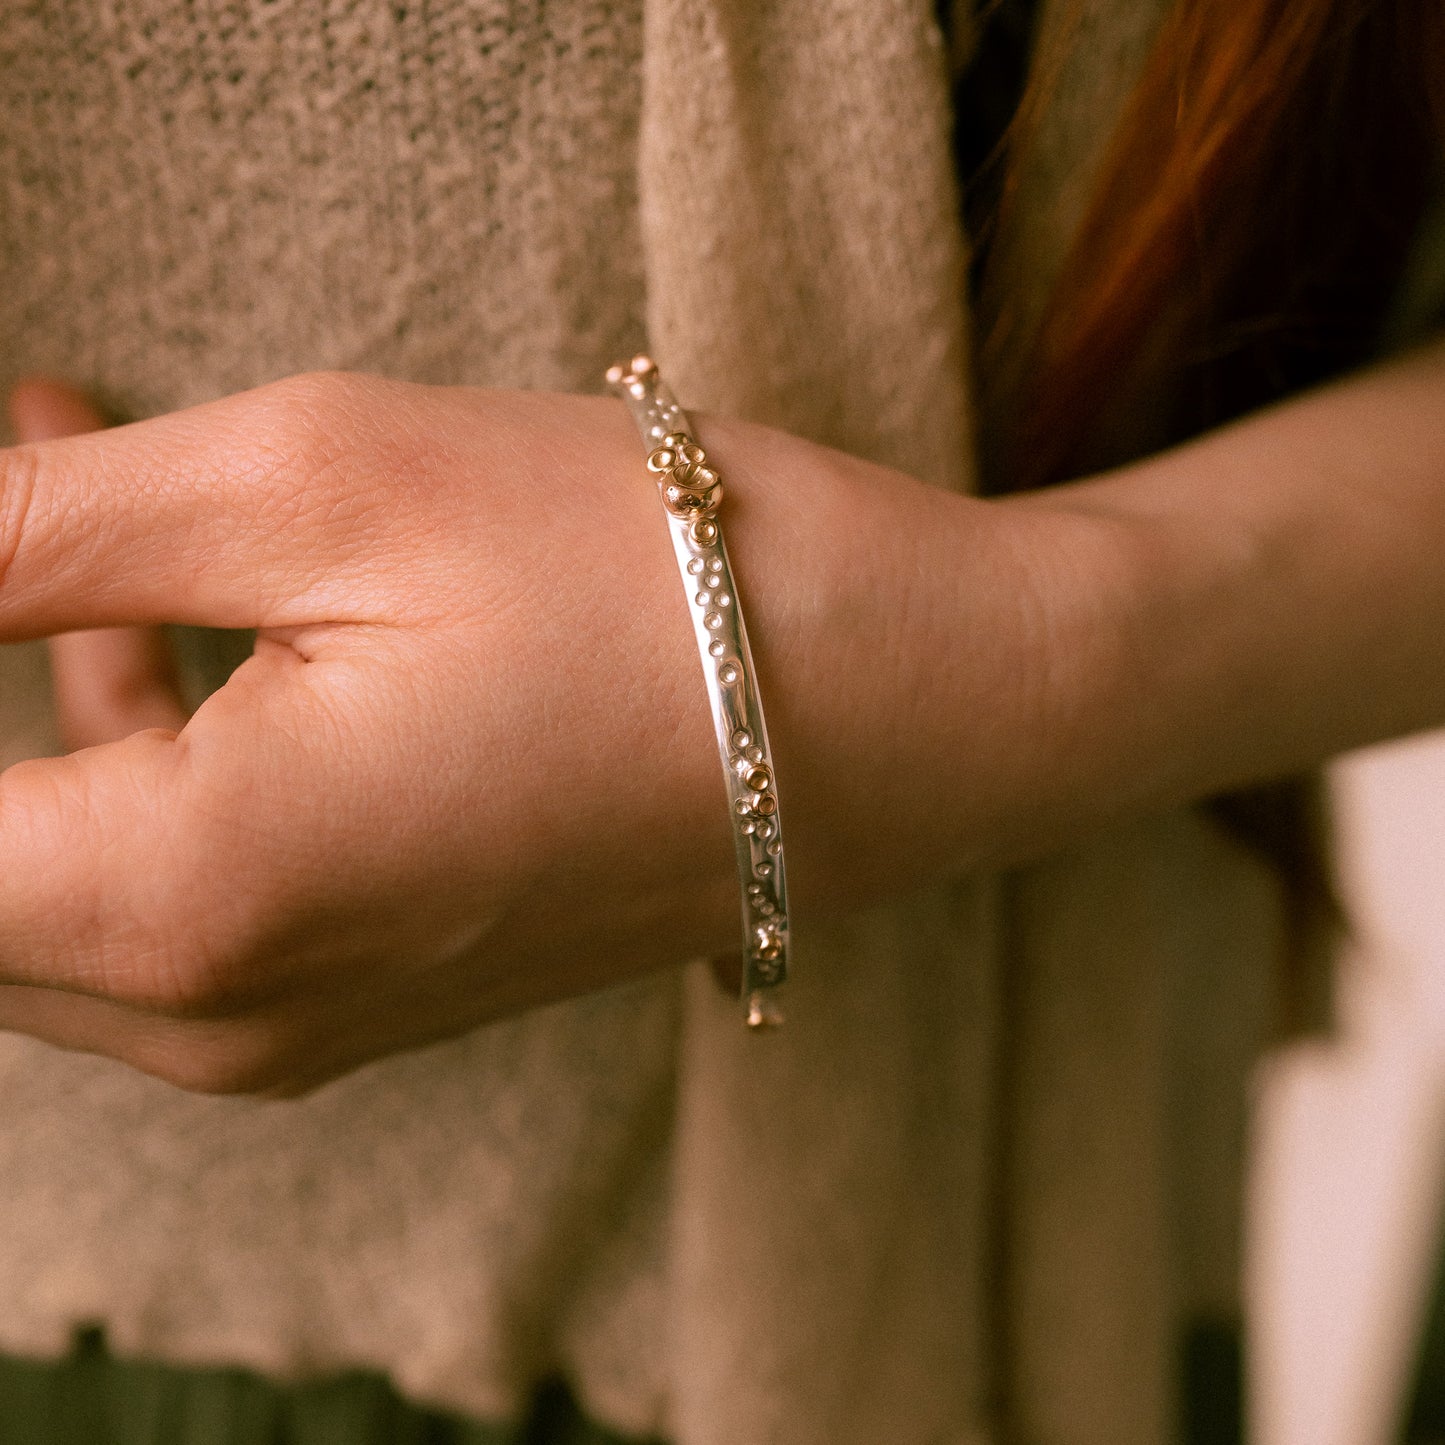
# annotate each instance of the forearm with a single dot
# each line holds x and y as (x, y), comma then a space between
(469, 768)
(957, 683)
(1289, 592)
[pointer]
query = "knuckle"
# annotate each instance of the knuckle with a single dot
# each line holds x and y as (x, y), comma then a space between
(236, 945)
(292, 427)
(328, 459)
(164, 959)
(329, 390)
(180, 983)
(311, 412)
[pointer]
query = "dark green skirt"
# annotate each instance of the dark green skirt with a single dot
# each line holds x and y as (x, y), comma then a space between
(91, 1398)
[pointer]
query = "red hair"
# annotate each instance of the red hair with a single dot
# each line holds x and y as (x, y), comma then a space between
(1251, 219)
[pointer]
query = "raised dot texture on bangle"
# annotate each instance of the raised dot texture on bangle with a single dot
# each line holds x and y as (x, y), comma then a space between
(691, 491)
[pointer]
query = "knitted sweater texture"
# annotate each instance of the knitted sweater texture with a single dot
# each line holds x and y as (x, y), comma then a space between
(812, 1241)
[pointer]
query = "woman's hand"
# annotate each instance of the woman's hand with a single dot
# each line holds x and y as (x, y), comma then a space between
(468, 770)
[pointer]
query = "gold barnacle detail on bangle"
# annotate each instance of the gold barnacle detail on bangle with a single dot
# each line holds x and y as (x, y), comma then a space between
(690, 488)
(691, 492)
(759, 804)
(767, 940)
(676, 450)
(763, 1014)
(686, 499)
(640, 368)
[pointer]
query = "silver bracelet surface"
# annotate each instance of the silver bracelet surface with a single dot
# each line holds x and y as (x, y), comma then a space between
(691, 492)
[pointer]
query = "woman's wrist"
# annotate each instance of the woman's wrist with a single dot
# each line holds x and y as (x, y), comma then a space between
(956, 683)
(925, 657)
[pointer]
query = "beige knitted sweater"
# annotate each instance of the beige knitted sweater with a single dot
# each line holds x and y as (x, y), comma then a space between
(856, 1233)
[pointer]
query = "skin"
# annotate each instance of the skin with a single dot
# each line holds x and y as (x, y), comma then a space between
(469, 769)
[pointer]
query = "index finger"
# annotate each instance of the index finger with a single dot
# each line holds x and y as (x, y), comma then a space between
(213, 516)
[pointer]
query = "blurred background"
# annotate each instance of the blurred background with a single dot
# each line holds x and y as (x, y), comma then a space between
(1346, 1274)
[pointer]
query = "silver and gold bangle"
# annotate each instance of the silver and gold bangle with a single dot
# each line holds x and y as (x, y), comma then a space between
(691, 493)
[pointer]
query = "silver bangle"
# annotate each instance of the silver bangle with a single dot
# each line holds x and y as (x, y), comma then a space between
(691, 492)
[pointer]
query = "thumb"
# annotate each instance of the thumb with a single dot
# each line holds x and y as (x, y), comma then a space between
(116, 681)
